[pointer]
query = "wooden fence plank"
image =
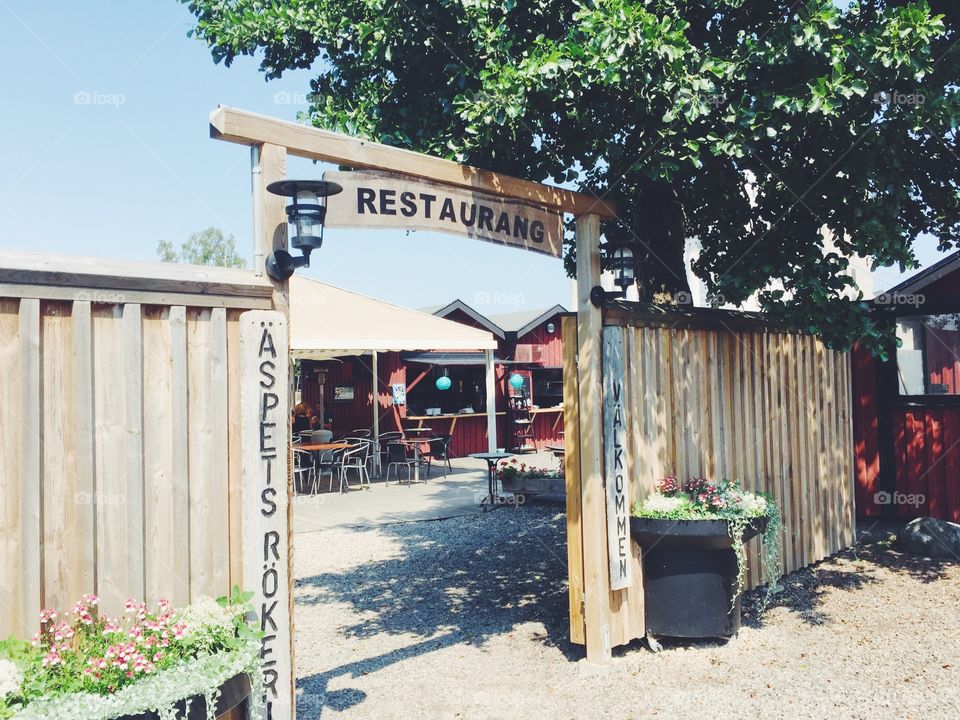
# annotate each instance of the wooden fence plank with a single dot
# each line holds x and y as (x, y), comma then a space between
(12, 619)
(83, 417)
(61, 500)
(31, 536)
(160, 500)
(132, 327)
(234, 449)
(203, 502)
(218, 482)
(571, 424)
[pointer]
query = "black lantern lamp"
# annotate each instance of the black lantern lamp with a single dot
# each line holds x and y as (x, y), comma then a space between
(305, 214)
(619, 259)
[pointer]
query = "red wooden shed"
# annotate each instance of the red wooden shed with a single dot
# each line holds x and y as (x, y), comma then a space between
(907, 409)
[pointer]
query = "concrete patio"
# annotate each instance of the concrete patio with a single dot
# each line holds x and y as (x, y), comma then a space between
(458, 494)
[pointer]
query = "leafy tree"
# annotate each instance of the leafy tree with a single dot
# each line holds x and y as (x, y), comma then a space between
(207, 247)
(752, 126)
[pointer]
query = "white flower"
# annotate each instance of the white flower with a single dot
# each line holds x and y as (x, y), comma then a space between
(752, 504)
(10, 678)
(657, 503)
(204, 612)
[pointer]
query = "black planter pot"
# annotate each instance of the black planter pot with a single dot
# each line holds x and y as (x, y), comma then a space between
(234, 693)
(690, 576)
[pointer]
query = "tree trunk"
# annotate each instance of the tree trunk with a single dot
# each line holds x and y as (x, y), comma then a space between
(652, 220)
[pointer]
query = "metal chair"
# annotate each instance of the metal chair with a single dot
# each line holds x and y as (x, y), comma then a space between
(385, 439)
(360, 433)
(439, 449)
(303, 467)
(328, 462)
(397, 457)
(354, 458)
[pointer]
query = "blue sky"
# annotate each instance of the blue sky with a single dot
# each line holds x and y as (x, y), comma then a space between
(107, 152)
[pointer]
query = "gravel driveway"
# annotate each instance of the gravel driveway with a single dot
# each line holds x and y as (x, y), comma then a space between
(466, 618)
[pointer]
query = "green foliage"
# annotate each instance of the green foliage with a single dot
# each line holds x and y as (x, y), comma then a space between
(207, 247)
(751, 126)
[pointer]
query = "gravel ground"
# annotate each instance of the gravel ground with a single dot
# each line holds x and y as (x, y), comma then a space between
(466, 618)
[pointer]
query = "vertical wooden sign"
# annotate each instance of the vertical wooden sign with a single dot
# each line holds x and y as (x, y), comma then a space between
(614, 459)
(264, 424)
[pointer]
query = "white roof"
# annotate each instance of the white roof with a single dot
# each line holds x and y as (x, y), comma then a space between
(327, 321)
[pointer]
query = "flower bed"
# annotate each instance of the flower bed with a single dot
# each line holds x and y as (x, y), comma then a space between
(743, 512)
(519, 478)
(83, 665)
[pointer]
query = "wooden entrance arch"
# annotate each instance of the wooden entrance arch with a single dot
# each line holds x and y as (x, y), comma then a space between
(272, 140)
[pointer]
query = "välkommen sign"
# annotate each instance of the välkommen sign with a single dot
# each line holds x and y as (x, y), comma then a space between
(385, 200)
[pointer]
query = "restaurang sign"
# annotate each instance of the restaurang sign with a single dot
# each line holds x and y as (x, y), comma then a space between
(265, 427)
(386, 200)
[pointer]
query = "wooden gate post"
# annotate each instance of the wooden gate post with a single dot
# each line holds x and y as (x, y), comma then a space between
(268, 164)
(596, 580)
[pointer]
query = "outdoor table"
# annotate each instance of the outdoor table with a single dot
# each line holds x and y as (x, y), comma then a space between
(558, 452)
(418, 431)
(492, 459)
(318, 447)
(415, 444)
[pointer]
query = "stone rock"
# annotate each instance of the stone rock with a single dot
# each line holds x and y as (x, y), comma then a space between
(930, 537)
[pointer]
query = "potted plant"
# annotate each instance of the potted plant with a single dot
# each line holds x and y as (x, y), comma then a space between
(192, 663)
(694, 561)
(522, 479)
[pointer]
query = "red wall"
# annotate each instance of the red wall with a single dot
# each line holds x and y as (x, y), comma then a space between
(552, 342)
(927, 449)
(865, 431)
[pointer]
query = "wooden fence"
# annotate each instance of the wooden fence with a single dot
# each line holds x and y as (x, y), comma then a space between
(719, 395)
(120, 448)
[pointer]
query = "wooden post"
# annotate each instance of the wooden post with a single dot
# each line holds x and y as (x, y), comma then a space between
(596, 579)
(491, 402)
(268, 164)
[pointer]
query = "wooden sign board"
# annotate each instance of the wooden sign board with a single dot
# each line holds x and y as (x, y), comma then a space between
(615, 460)
(386, 200)
(264, 424)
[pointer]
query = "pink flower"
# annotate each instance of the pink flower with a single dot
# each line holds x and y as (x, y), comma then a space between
(46, 615)
(91, 600)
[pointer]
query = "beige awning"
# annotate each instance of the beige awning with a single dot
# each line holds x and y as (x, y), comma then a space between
(327, 321)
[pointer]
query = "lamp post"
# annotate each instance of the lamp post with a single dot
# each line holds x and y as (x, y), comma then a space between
(619, 259)
(305, 214)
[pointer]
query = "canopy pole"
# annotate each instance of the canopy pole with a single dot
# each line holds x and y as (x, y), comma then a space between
(491, 402)
(376, 410)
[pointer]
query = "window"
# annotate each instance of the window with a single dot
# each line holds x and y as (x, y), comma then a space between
(928, 360)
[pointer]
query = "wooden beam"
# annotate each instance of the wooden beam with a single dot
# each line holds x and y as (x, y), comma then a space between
(165, 299)
(247, 128)
(596, 579)
(84, 274)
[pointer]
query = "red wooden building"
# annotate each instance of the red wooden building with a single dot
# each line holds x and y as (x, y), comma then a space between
(530, 344)
(907, 409)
